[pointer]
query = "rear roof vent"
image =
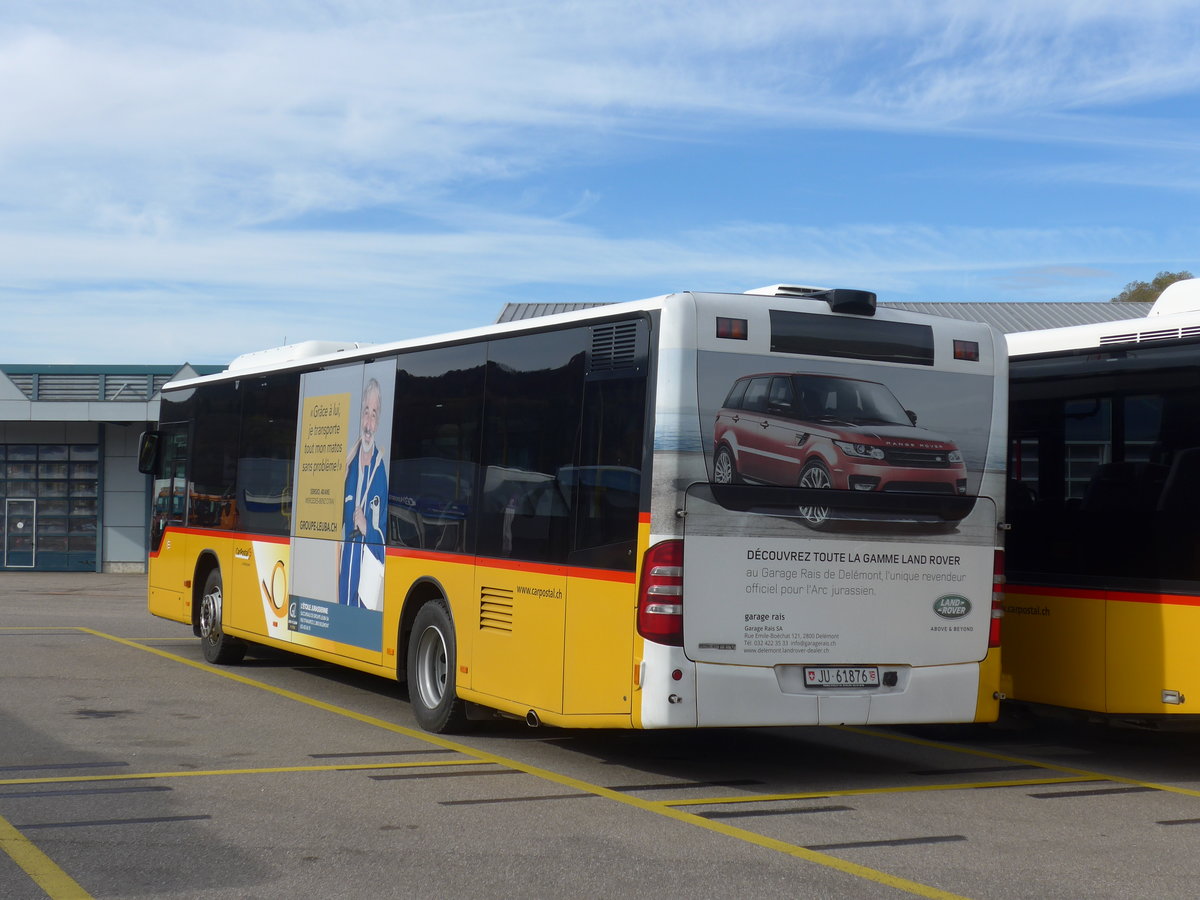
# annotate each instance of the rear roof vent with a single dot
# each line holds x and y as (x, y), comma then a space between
(840, 300)
(787, 290)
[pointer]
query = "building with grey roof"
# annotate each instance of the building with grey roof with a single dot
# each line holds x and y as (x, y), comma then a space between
(71, 497)
(1008, 317)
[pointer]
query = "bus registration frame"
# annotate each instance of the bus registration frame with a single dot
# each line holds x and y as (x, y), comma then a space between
(841, 676)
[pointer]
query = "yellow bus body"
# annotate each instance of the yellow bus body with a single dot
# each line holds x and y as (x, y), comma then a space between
(1110, 652)
(559, 641)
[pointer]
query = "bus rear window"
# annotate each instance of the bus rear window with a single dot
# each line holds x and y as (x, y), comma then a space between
(851, 338)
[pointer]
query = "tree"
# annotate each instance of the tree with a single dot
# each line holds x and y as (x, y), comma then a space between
(1147, 292)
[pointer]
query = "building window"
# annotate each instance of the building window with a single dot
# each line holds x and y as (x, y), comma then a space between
(49, 506)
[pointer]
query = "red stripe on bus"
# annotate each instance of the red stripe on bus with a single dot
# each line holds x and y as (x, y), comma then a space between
(231, 535)
(510, 564)
(514, 565)
(1113, 595)
(228, 535)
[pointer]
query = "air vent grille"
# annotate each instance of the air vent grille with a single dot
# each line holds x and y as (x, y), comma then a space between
(24, 383)
(1161, 334)
(125, 387)
(614, 346)
(495, 609)
(87, 387)
(68, 387)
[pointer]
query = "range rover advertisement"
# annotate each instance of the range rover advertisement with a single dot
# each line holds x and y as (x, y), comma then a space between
(836, 492)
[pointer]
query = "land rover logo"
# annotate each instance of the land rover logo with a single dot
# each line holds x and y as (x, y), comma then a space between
(951, 606)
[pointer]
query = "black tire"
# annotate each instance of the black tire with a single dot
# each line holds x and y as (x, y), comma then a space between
(432, 664)
(815, 475)
(724, 468)
(219, 648)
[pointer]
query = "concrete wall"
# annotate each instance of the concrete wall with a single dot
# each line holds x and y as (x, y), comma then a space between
(124, 493)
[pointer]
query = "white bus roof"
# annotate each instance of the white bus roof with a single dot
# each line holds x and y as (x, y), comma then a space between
(307, 353)
(293, 356)
(1176, 314)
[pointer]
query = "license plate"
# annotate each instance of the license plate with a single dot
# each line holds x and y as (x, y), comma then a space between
(841, 676)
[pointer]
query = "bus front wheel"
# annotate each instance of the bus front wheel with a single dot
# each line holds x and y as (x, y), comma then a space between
(219, 648)
(432, 662)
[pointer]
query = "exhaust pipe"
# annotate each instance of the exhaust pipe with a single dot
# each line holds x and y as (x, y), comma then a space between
(532, 720)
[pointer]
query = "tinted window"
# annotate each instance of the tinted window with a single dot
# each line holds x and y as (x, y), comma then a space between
(858, 337)
(604, 489)
(435, 447)
(169, 500)
(534, 396)
(1104, 469)
(216, 429)
(265, 458)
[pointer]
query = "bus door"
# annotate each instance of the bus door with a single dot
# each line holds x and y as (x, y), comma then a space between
(169, 509)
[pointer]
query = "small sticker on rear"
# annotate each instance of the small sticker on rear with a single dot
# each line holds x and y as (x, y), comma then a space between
(951, 606)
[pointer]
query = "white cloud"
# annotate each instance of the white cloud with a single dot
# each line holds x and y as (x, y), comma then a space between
(149, 147)
(208, 299)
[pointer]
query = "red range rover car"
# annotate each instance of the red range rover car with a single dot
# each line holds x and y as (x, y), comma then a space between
(825, 431)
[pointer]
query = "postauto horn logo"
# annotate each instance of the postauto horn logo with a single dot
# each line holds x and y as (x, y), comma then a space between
(951, 606)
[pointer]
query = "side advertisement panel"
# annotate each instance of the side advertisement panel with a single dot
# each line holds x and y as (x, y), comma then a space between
(340, 511)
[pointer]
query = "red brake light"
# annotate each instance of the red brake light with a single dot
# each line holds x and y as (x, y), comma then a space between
(968, 350)
(660, 595)
(734, 329)
(997, 599)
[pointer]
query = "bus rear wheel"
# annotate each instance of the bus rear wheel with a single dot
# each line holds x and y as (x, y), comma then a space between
(219, 648)
(432, 663)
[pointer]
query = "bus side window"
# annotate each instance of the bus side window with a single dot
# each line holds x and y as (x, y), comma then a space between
(435, 448)
(531, 432)
(605, 487)
(265, 455)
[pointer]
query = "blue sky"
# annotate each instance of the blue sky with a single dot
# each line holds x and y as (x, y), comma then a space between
(181, 185)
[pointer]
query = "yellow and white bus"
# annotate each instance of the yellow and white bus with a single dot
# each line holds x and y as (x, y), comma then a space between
(1103, 593)
(541, 519)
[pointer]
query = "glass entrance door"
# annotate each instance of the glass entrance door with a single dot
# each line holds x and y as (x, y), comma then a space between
(20, 535)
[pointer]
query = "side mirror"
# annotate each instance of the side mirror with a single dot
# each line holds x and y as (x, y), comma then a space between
(147, 461)
(912, 416)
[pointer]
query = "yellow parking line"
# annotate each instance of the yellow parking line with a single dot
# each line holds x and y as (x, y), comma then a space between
(896, 789)
(274, 770)
(832, 862)
(57, 884)
(1003, 757)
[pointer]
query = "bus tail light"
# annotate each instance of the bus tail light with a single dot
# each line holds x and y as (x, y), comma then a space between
(997, 599)
(660, 595)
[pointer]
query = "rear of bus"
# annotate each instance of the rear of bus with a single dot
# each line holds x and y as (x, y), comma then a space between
(826, 493)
